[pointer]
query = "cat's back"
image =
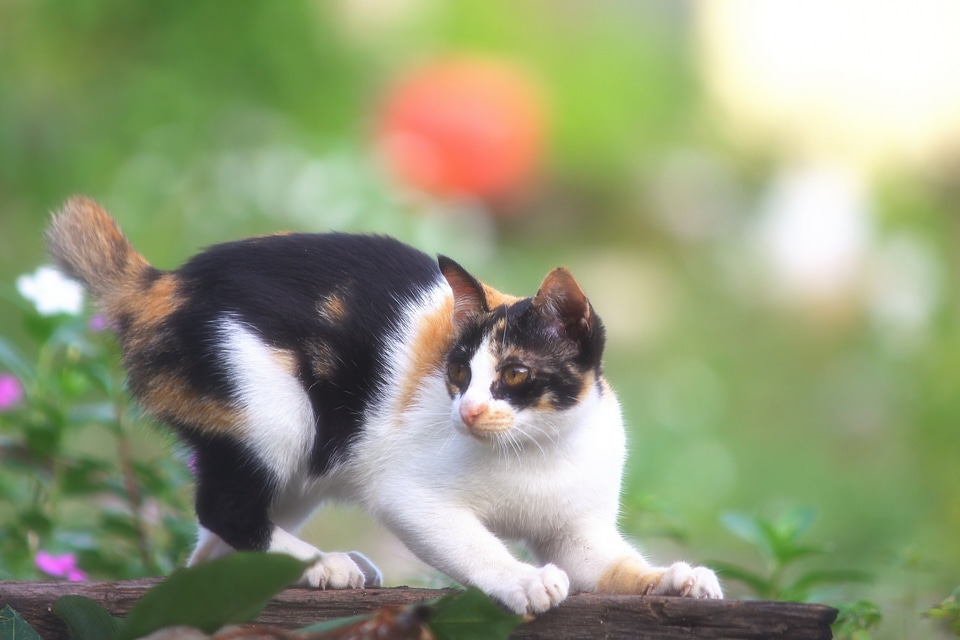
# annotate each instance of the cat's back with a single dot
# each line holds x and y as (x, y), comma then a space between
(309, 264)
(299, 283)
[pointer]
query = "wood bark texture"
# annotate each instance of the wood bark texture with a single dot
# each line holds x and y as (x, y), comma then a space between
(581, 616)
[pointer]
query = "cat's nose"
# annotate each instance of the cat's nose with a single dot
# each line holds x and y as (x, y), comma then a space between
(470, 413)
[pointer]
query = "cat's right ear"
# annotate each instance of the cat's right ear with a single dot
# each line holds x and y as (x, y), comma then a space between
(469, 300)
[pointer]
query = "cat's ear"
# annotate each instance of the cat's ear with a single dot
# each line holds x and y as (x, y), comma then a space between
(468, 297)
(562, 299)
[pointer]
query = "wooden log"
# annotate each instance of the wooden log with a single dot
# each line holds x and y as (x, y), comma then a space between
(581, 616)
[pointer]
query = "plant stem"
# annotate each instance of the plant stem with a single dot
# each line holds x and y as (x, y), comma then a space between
(130, 487)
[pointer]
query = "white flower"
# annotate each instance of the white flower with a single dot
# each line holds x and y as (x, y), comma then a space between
(51, 292)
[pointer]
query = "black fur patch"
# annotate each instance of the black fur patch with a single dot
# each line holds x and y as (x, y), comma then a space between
(272, 285)
(521, 334)
(233, 493)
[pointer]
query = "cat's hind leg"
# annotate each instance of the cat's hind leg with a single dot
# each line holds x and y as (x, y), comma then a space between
(250, 479)
(329, 570)
(210, 546)
(289, 512)
(234, 499)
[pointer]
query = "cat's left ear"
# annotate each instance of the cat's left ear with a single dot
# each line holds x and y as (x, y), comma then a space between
(561, 298)
(469, 300)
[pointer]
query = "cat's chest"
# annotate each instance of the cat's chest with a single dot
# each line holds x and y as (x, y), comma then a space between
(517, 497)
(530, 492)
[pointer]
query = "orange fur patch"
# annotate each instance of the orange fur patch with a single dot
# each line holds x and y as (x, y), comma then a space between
(285, 360)
(629, 576)
(433, 338)
(159, 301)
(332, 309)
(496, 298)
(589, 383)
(169, 396)
(323, 360)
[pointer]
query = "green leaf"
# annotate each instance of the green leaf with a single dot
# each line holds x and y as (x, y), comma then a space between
(14, 627)
(233, 589)
(118, 524)
(41, 328)
(751, 531)
(795, 522)
(86, 619)
(948, 610)
(471, 615)
(83, 476)
(854, 621)
(11, 359)
(788, 552)
(761, 586)
(802, 585)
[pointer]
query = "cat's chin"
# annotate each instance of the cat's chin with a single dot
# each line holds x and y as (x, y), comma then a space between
(487, 436)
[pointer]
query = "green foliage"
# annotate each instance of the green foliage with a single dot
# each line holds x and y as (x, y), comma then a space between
(14, 627)
(71, 443)
(780, 546)
(229, 590)
(236, 588)
(855, 621)
(471, 615)
(948, 611)
(86, 619)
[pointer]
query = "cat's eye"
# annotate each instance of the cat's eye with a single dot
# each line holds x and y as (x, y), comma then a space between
(458, 374)
(514, 376)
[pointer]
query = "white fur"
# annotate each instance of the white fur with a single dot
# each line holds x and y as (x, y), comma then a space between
(453, 498)
(278, 421)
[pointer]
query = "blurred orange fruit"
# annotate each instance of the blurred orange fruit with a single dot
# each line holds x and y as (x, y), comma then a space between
(463, 127)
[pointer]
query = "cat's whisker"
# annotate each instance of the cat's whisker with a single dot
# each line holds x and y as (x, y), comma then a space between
(531, 437)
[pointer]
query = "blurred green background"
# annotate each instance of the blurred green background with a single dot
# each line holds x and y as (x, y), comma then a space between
(761, 201)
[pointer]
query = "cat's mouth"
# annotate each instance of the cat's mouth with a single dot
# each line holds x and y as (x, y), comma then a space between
(484, 422)
(485, 434)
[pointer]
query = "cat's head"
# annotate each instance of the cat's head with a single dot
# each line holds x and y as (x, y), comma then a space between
(519, 365)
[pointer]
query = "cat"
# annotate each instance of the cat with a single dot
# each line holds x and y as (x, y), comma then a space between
(302, 368)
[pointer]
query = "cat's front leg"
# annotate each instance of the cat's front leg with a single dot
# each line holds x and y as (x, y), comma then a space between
(456, 543)
(633, 575)
(601, 561)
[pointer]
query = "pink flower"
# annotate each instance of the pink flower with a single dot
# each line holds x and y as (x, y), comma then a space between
(62, 566)
(98, 323)
(11, 391)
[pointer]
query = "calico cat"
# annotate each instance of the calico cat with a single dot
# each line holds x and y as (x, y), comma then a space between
(309, 367)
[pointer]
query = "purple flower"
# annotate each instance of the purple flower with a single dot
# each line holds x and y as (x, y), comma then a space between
(98, 323)
(11, 391)
(62, 566)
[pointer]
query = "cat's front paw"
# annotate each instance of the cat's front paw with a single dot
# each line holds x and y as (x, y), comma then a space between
(340, 571)
(536, 590)
(680, 579)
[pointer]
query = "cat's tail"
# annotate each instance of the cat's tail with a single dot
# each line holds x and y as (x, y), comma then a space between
(88, 246)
